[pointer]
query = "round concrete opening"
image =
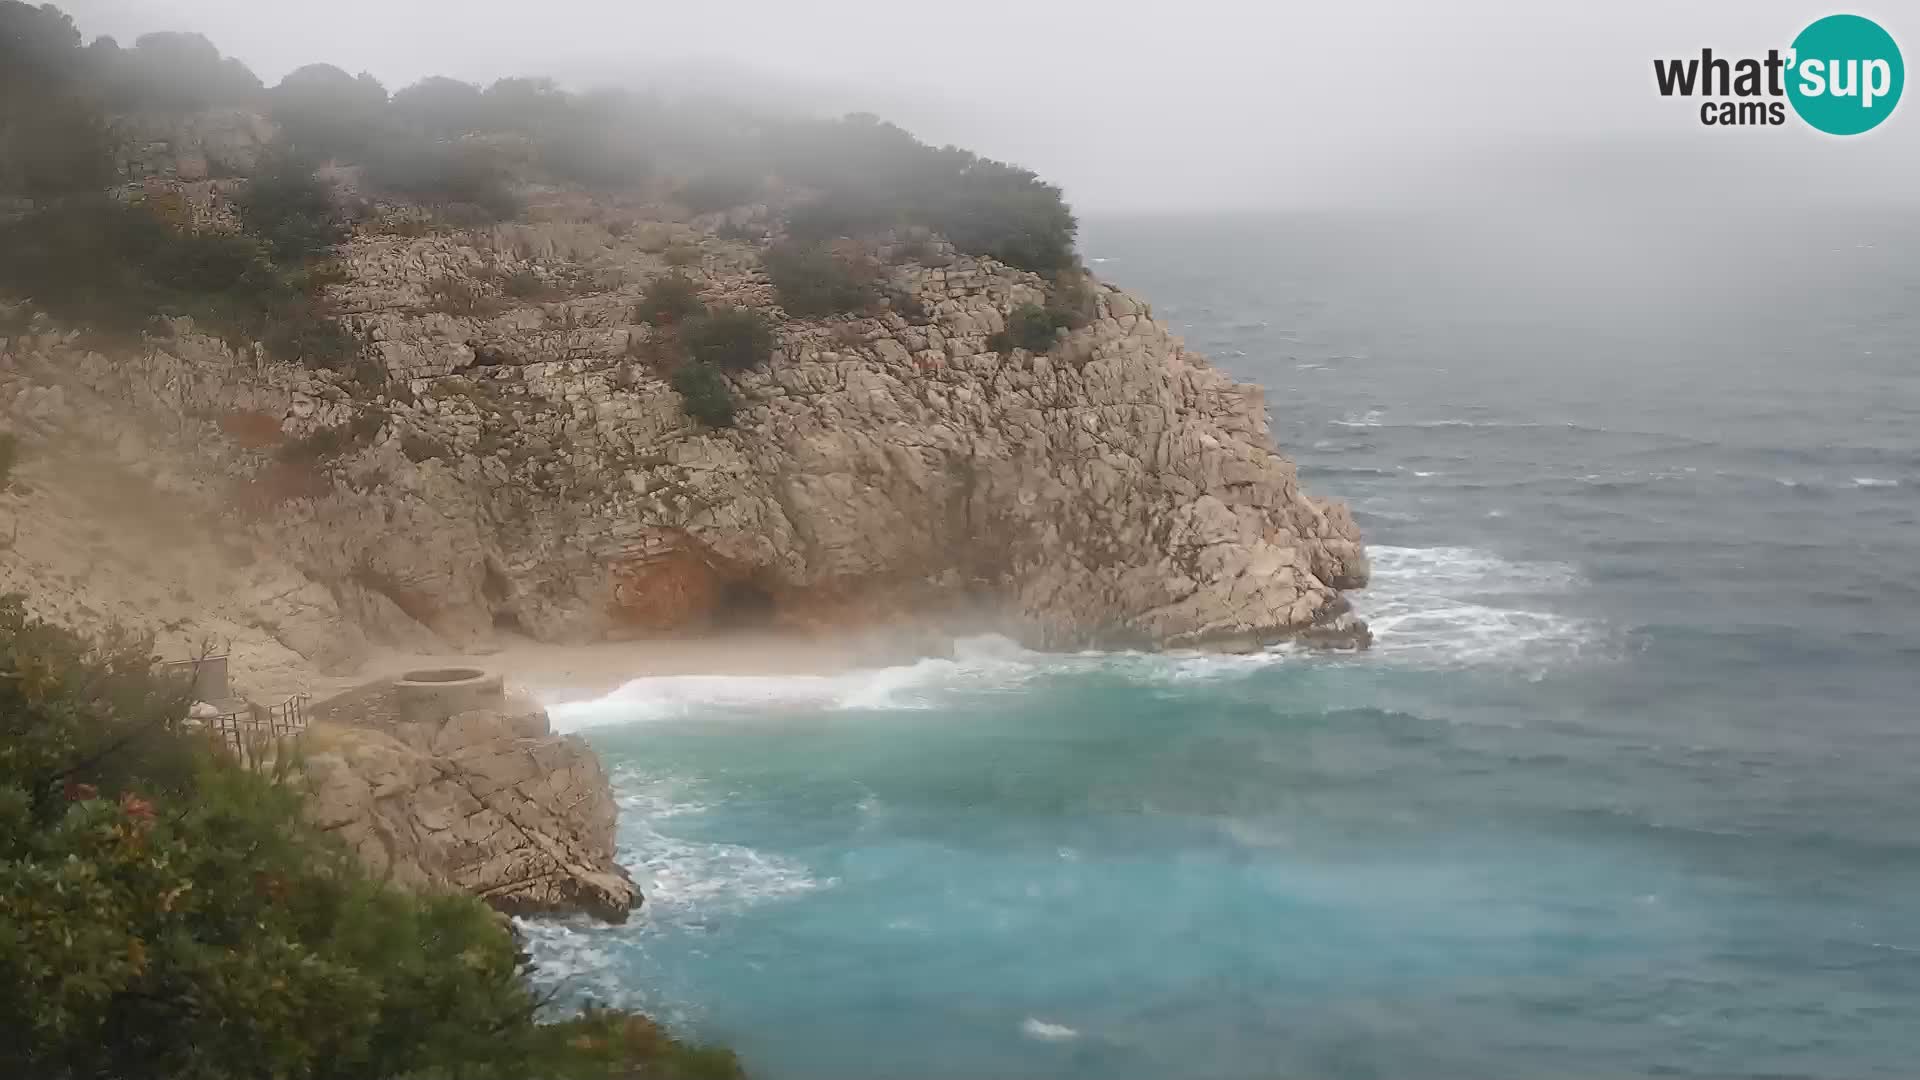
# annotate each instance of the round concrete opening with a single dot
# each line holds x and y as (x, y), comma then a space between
(443, 676)
(434, 694)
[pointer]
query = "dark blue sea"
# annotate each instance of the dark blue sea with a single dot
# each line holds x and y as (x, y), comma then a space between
(1629, 786)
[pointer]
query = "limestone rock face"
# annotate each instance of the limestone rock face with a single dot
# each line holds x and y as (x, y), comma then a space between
(528, 466)
(486, 801)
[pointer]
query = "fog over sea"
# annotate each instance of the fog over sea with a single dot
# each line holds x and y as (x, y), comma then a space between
(1629, 786)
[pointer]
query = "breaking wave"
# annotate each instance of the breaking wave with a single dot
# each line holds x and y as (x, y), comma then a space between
(1456, 606)
(1445, 606)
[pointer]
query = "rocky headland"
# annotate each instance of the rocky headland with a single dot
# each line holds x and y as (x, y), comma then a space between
(507, 454)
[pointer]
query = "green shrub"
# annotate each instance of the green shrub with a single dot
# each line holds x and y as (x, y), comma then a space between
(717, 191)
(465, 182)
(300, 334)
(680, 256)
(875, 176)
(669, 299)
(439, 107)
(526, 285)
(1029, 327)
(111, 266)
(168, 71)
(166, 912)
(730, 338)
(1070, 302)
(585, 148)
(420, 447)
(55, 138)
(704, 393)
(294, 212)
(813, 281)
(325, 113)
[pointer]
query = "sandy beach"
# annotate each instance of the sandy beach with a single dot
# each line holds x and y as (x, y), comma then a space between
(556, 672)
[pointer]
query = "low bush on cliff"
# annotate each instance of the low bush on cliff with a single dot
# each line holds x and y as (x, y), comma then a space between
(731, 338)
(814, 281)
(668, 299)
(99, 262)
(165, 912)
(460, 180)
(300, 332)
(1029, 327)
(704, 394)
(713, 191)
(876, 176)
(290, 209)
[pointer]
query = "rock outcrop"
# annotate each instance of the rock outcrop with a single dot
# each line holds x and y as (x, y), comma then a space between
(523, 466)
(475, 795)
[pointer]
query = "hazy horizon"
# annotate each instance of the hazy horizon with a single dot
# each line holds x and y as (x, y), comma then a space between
(1374, 105)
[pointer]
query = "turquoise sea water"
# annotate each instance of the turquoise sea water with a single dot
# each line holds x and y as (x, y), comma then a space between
(1629, 787)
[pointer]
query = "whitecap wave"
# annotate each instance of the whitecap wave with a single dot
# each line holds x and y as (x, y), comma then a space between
(1874, 482)
(1463, 606)
(1035, 1028)
(1446, 603)
(1370, 419)
(982, 661)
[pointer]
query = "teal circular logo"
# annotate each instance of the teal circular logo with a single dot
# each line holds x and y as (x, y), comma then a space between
(1846, 75)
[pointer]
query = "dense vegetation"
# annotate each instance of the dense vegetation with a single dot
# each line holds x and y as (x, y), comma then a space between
(730, 338)
(439, 141)
(668, 299)
(704, 394)
(812, 280)
(165, 912)
(112, 263)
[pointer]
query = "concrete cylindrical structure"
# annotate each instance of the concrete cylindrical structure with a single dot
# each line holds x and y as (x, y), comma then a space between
(433, 695)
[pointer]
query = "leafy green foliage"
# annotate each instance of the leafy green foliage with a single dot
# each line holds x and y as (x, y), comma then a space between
(113, 267)
(452, 176)
(54, 136)
(1029, 327)
(293, 211)
(171, 72)
(98, 262)
(704, 393)
(298, 333)
(731, 338)
(420, 447)
(876, 176)
(325, 113)
(668, 299)
(813, 281)
(713, 191)
(1070, 299)
(440, 108)
(165, 912)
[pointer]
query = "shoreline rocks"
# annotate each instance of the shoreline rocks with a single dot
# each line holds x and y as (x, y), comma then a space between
(470, 791)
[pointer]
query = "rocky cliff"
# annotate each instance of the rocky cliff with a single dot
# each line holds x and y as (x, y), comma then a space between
(505, 457)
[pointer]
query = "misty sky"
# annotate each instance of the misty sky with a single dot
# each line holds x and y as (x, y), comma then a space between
(1169, 106)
